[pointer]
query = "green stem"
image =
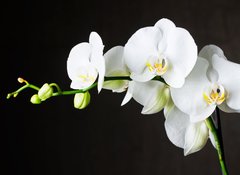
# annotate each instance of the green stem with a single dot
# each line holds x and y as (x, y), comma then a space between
(71, 92)
(15, 93)
(75, 91)
(213, 130)
(57, 87)
(219, 128)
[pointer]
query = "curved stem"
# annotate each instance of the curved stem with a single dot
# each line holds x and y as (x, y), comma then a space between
(71, 92)
(219, 130)
(15, 93)
(210, 124)
(57, 87)
(75, 91)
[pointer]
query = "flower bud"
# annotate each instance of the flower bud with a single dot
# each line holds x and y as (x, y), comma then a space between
(35, 99)
(81, 100)
(45, 92)
(21, 80)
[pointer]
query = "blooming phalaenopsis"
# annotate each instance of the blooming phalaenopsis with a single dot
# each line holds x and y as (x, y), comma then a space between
(213, 82)
(161, 50)
(86, 62)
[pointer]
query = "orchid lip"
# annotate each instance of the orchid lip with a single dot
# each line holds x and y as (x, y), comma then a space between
(158, 67)
(215, 95)
(87, 78)
(86, 75)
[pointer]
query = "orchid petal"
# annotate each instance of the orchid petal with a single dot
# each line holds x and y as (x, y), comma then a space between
(97, 57)
(84, 76)
(165, 25)
(78, 57)
(115, 66)
(209, 50)
(155, 98)
(77, 85)
(157, 103)
(146, 76)
(189, 98)
(101, 72)
(116, 85)
(96, 42)
(228, 77)
(175, 124)
(182, 57)
(196, 137)
(114, 61)
(174, 78)
(129, 93)
(140, 47)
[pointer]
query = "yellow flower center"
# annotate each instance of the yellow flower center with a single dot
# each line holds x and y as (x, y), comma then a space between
(158, 67)
(217, 95)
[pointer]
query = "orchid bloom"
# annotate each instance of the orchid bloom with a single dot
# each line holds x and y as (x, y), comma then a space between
(161, 50)
(86, 62)
(154, 96)
(212, 82)
(115, 66)
(192, 137)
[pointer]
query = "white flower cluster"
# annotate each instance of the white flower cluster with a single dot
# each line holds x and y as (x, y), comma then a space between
(192, 84)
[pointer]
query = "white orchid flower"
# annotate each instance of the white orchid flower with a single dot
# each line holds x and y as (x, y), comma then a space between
(115, 66)
(214, 81)
(154, 96)
(191, 137)
(161, 50)
(86, 62)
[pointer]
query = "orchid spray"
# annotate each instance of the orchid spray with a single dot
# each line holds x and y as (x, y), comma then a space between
(161, 69)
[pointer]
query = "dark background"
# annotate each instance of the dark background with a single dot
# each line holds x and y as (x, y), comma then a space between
(104, 139)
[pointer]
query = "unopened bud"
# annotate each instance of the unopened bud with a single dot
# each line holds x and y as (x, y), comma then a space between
(45, 92)
(21, 80)
(8, 96)
(81, 100)
(35, 99)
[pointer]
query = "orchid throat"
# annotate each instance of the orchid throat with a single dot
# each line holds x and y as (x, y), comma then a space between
(158, 66)
(216, 96)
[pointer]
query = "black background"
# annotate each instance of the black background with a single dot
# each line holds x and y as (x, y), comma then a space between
(104, 139)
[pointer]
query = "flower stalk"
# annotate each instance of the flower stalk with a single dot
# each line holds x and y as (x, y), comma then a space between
(71, 92)
(219, 146)
(27, 85)
(67, 92)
